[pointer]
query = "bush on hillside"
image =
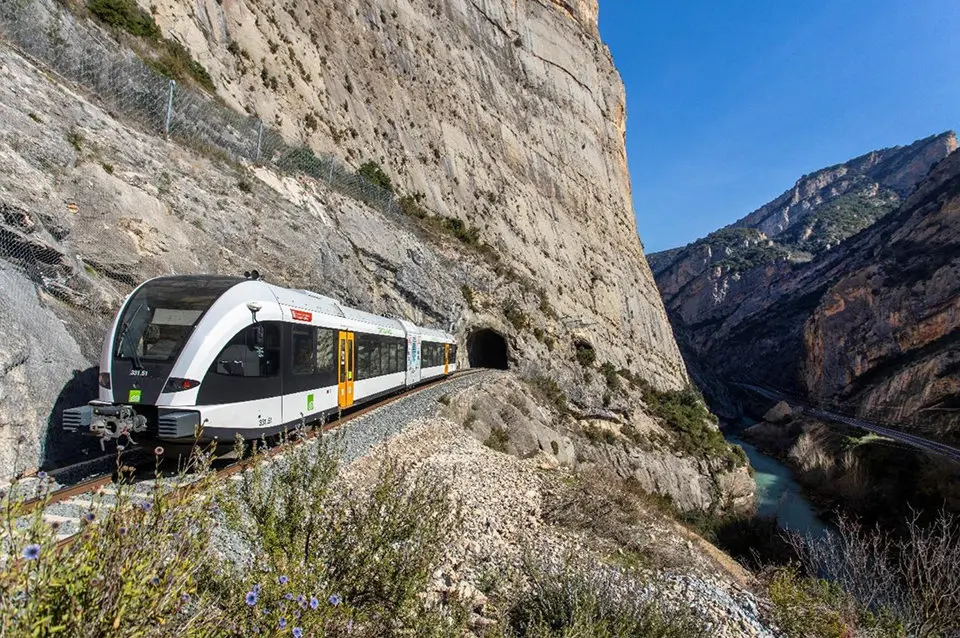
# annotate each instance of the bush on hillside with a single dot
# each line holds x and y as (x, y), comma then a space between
(125, 15)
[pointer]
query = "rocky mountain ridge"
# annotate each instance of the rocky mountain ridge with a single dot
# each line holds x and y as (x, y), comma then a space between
(871, 324)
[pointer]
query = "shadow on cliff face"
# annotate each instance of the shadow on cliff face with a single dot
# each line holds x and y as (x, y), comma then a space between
(487, 349)
(58, 445)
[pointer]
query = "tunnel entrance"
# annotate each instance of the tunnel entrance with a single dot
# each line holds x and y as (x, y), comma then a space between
(487, 349)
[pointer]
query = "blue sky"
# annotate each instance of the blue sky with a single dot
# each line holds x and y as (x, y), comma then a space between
(730, 102)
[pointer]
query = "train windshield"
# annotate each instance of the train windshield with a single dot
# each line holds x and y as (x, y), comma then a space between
(161, 316)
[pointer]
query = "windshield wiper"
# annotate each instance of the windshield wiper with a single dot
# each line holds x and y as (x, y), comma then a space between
(123, 335)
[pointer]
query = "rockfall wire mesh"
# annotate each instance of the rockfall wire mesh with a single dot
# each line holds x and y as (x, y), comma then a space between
(91, 60)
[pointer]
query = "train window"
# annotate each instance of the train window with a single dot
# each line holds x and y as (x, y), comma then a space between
(391, 353)
(243, 357)
(304, 350)
(326, 361)
(343, 360)
(363, 358)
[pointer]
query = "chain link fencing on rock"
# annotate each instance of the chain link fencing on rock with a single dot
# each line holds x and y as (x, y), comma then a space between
(87, 57)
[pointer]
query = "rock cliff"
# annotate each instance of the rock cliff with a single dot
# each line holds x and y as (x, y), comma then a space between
(870, 324)
(508, 117)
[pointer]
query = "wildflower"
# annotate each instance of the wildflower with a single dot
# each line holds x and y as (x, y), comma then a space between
(302, 600)
(41, 475)
(145, 506)
(54, 525)
(31, 552)
(282, 623)
(89, 517)
(283, 580)
(334, 600)
(297, 632)
(158, 451)
(288, 596)
(185, 598)
(350, 626)
(251, 598)
(256, 588)
(154, 581)
(122, 531)
(314, 603)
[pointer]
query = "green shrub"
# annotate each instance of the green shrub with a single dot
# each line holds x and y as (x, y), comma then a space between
(611, 376)
(130, 568)
(175, 62)
(585, 354)
(373, 173)
(125, 15)
(515, 315)
(685, 414)
(549, 390)
(573, 600)
(76, 140)
(373, 549)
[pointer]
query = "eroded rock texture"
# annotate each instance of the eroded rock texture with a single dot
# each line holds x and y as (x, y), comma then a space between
(870, 326)
(509, 116)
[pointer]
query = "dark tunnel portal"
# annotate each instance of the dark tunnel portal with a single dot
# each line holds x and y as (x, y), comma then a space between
(487, 349)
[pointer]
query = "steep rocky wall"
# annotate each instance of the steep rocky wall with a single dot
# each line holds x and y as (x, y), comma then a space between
(93, 203)
(886, 336)
(509, 115)
(871, 326)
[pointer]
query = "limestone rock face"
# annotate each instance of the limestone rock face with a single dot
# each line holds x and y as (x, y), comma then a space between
(871, 325)
(509, 116)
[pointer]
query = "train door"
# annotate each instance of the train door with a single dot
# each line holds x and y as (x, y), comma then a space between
(446, 358)
(345, 370)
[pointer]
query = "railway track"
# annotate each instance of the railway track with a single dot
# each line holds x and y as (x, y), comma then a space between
(70, 507)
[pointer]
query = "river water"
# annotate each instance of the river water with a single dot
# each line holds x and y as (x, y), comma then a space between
(779, 495)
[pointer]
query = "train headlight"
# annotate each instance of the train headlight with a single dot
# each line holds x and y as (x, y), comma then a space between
(104, 380)
(179, 385)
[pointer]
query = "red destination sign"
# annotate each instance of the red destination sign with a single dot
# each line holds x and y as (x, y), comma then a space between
(300, 315)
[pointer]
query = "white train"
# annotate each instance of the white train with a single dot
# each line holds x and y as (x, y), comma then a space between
(240, 356)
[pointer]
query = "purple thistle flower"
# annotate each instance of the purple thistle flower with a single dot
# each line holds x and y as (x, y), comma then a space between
(314, 603)
(41, 475)
(31, 552)
(283, 580)
(185, 598)
(122, 531)
(282, 623)
(256, 588)
(297, 632)
(251, 598)
(302, 600)
(334, 600)
(146, 506)
(288, 596)
(89, 517)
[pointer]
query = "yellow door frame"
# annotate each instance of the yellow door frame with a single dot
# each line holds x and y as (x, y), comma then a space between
(346, 363)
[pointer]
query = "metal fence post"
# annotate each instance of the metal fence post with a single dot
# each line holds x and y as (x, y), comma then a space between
(259, 141)
(166, 124)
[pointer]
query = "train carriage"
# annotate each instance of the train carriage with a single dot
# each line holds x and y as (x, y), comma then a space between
(241, 356)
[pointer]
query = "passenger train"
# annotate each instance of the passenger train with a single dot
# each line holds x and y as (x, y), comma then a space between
(219, 356)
